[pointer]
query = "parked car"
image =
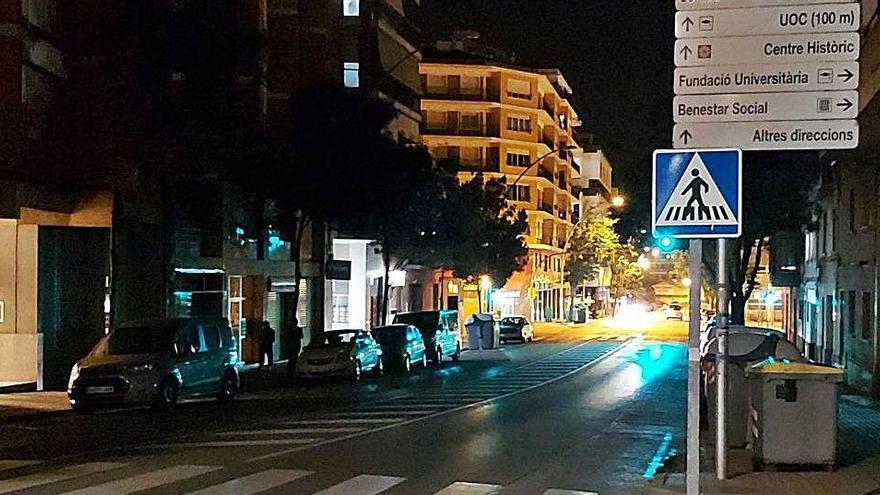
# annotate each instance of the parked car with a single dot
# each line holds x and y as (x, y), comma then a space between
(340, 353)
(516, 328)
(402, 345)
(439, 330)
(157, 361)
(674, 312)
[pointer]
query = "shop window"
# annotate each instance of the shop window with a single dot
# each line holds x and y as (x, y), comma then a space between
(351, 74)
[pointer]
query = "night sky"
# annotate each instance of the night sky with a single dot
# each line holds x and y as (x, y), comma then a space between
(616, 55)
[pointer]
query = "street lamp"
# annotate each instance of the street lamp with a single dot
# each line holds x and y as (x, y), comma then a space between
(643, 262)
(686, 282)
(537, 161)
(618, 201)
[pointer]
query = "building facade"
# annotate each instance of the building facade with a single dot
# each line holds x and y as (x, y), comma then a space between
(498, 120)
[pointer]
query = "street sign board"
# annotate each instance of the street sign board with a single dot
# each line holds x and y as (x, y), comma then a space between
(810, 105)
(754, 136)
(721, 79)
(743, 4)
(697, 193)
(799, 19)
(767, 49)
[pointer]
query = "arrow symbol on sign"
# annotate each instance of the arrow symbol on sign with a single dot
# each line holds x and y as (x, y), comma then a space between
(686, 51)
(845, 105)
(685, 136)
(847, 75)
(687, 23)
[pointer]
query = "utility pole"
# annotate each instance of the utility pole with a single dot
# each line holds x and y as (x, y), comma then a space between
(721, 363)
(693, 412)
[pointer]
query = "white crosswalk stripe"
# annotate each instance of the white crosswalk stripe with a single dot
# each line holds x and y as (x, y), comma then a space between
(351, 421)
(7, 465)
(365, 484)
(63, 474)
(465, 488)
(420, 412)
(255, 483)
(567, 492)
(146, 481)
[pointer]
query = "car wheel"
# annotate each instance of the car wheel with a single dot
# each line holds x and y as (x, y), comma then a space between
(166, 396)
(228, 388)
(406, 363)
(438, 357)
(380, 367)
(457, 356)
(358, 371)
(532, 338)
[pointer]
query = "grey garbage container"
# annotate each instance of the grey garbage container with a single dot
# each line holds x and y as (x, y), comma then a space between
(482, 331)
(788, 399)
(746, 345)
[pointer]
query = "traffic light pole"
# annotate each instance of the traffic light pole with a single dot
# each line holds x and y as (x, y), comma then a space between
(693, 414)
(721, 363)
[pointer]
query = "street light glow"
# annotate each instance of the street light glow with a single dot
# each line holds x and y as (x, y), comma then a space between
(485, 282)
(618, 201)
(643, 262)
(686, 282)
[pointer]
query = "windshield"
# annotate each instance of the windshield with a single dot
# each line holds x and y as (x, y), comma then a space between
(388, 335)
(513, 321)
(140, 340)
(425, 322)
(334, 339)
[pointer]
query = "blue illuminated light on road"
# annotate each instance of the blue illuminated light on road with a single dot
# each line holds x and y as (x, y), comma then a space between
(663, 453)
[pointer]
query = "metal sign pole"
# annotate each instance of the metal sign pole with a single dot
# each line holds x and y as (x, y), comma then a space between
(721, 363)
(693, 414)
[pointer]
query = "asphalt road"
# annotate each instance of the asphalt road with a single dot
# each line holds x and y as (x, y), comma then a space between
(574, 413)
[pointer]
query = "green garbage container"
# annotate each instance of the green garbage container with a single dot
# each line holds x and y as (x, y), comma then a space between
(793, 413)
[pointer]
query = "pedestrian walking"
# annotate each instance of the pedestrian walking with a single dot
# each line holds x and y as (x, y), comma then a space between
(295, 345)
(267, 340)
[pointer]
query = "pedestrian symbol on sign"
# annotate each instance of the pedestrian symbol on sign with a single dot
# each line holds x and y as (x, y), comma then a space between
(696, 193)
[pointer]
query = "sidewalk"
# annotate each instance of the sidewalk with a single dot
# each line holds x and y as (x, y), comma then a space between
(858, 473)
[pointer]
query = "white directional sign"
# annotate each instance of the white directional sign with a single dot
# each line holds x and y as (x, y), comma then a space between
(811, 105)
(767, 49)
(720, 79)
(801, 19)
(801, 135)
(742, 4)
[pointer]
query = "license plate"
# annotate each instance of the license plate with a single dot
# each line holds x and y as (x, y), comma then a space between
(99, 390)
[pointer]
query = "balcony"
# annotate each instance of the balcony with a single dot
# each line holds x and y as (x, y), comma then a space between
(548, 142)
(563, 182)
(543, 172)
(547, 107)
(547, 240)
(546, 207)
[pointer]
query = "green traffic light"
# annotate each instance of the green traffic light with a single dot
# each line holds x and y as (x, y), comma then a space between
(665, 242)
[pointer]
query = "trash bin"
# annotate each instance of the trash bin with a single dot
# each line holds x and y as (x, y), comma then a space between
(745, 345)
(788, 399)
(482, 331)
(580, 313)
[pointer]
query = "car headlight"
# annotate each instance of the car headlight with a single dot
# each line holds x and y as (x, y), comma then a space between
(74, 374)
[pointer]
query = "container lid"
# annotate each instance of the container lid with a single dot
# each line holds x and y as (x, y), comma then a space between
(786, 369)
(478, 318)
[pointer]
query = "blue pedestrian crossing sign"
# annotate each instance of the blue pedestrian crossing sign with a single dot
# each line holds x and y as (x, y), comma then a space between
(697, 193)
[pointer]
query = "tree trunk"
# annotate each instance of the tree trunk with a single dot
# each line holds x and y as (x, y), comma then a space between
(386, 284)
(296, 258)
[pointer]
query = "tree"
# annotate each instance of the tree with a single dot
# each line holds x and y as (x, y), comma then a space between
(681, 270)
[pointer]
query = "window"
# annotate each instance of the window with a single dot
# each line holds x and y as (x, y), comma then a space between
(517, 160)
(867, 315)
(339, 289)
(519, 124)
(471, 85)
(436, 120)
(519, 192)
(470, 156)
(519, 89)
(351, 74)
(437, 84)
(471, 121)
(351, 8)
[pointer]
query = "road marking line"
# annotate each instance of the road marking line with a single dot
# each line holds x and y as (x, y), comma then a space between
(443, 412)
(63, 474)
(255, 483)
(465, 488)
(567, 492)
(346, 421)
(288, 431)
(364, 484)
(7, 465)
(401, 406)
(233, 443)
(146, 481)
(382, 413)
